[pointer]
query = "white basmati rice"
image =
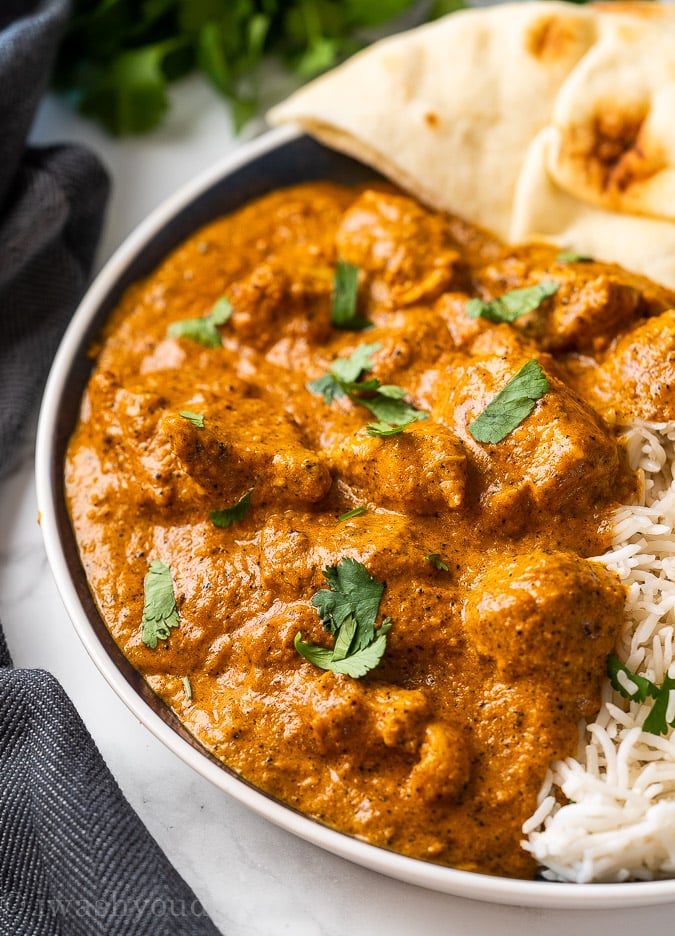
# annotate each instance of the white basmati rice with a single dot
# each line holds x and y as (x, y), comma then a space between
(618, 818)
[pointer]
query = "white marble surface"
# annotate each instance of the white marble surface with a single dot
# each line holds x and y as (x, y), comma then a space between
(254, 879)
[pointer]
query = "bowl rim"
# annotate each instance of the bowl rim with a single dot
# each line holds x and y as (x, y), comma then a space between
(439, 878)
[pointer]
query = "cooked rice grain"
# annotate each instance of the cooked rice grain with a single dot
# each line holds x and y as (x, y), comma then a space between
(618, 823)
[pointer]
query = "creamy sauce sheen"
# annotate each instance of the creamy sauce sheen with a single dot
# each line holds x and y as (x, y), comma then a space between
(440, 750)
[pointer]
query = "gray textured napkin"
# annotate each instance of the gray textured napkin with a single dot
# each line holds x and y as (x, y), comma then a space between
(75, 860)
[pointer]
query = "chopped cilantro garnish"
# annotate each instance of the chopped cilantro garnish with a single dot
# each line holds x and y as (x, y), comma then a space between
(352, 590)
(348, 370)
(187, 687)
(355, 512)
(354, 663)
(386, 429)
(234, 514)
(204, 330)
(345, 293)
(569, 256)
(196, 419)
(436, 561)
(348, 609)
(638, 689)
(159, 609)
(385, 401)
(511, 405)
(513, 304)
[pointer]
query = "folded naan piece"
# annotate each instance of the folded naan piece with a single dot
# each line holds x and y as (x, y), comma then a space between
(614, 117)
(448, 110)
(537, 120)
(542, 211)
(600, 178)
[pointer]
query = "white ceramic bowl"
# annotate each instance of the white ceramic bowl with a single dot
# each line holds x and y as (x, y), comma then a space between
(279, 158)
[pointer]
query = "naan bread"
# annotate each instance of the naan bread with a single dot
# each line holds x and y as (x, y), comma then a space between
(544, 211)
(537, 120)
(448, 110)
(614, 117)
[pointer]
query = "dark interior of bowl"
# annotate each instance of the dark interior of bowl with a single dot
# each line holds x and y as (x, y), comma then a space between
(298, 160)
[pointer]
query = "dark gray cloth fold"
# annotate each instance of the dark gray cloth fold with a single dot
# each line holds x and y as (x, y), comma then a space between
(51, 208)
(75, 860)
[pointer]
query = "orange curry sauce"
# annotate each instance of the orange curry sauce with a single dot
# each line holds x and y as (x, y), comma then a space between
(439, 751)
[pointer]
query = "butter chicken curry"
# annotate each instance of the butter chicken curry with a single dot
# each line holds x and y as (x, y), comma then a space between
(338, 473)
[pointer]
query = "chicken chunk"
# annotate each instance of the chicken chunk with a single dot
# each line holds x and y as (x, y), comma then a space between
(547, 612)
(269, 304)
(560, 455)
(423, 469)
(408, 251)
(395, 718)
(252, 448)
(637, 377)
(127, 420)
(593, 302)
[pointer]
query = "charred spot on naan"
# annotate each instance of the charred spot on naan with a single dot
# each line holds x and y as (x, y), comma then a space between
(552, 37)
(613, 151)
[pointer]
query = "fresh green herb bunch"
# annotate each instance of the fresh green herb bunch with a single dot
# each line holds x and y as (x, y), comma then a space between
(118, 56)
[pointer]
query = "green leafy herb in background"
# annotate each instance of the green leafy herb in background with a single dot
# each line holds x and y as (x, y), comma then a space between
(119, 56)
(204, 330)
(513, 304)
(159, 608)
(385, 401)
(348, 610)
(514, 402)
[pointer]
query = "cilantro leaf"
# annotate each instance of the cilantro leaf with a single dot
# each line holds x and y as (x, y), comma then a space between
(345, 293)
(656, 722)
(221, 311)
(355, 512)
(393, 412)
(386, 429)
(352, 591)
(159, 608)
(436, 561)
(234, 514)
(196, 419)
(327, 387)
(355, 665)
(348, 609)
(643, 687)
(623, 680)
(349, 369)
(513, 304)
(187, 688)
(511, 405)
(344, 637)
(204, 330)
(569, 256)
(385, 401)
